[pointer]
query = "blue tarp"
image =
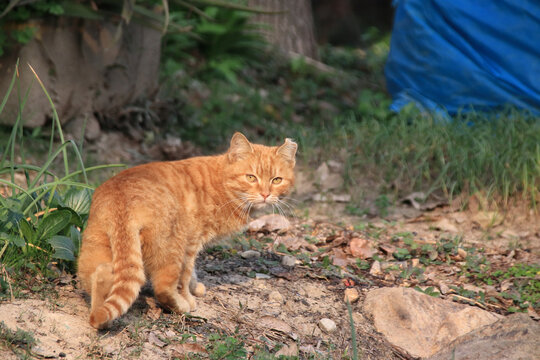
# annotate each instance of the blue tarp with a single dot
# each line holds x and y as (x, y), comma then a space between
(458, 54)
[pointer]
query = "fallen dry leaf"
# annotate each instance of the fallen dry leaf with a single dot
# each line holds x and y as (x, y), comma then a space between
(295, 243)
(340, 258)
(188, 348)
(154, 339)
(154, 311)
(361, 248)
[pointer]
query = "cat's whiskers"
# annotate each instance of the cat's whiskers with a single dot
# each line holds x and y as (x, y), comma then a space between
(287, 206)
(243, 206)
(288, 198)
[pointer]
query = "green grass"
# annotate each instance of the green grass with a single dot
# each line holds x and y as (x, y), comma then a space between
(43, 210)
(498, 153)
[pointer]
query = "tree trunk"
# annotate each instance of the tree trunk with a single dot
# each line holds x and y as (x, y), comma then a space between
(292, 29)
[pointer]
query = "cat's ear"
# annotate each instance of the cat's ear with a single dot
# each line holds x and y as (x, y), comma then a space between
(288, 151)
(240, 147)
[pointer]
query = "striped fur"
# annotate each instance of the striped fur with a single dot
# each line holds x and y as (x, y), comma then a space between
(153, 219)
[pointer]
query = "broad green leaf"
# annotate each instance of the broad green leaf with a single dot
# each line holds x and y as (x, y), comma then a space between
(13, 218)
(53, 224)
(13, 239)
(63, 247)
(75, 236)
(27, 230)
(75, 217)
(78, 199)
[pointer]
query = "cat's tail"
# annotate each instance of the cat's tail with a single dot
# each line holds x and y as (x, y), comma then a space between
(127, 278)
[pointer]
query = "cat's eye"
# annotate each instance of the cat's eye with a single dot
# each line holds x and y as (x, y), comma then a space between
(251, 178)
(277, 180)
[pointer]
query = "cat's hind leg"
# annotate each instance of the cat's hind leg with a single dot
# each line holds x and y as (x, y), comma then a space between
(165, 282)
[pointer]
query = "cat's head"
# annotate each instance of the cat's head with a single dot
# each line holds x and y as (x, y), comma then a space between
(261, 175)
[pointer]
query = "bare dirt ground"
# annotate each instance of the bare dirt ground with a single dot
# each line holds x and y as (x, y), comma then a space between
(268, 307)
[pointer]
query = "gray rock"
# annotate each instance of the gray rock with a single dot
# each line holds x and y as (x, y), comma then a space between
(327, 325)
(262, 276)
(270, 222)
(419, 323)
(326, 179)
(288, 260)
(250, 254)
(514, 337)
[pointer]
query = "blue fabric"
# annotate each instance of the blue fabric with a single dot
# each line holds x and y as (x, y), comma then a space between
(458, 54)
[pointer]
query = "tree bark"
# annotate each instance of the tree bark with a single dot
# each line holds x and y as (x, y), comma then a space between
(291, 30)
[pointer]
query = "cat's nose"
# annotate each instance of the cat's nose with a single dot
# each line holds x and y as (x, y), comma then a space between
(265, 195)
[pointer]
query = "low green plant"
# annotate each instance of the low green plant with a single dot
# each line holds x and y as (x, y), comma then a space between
(525, 279)
(225, 347)
(430, 290)
(42, 218)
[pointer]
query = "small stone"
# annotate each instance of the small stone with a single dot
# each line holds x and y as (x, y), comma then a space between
(275, 296)
(351, 295)
(462, 253)
(445, 289)
(415, 262)
(341, 198)
(270, 222)
(375, 268)
(250, 254)
(288, 260)
(44, 352)
(261, 276)
(327, 325)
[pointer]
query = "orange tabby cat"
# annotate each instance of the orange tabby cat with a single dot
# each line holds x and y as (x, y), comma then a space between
(152, 220)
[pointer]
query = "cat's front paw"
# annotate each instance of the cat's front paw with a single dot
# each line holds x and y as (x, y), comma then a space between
(190, 301)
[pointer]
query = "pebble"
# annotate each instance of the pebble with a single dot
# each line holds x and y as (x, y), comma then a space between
(288, 260)
(327, 325)
(351, 295)
(375, 268)
(262, 276)
(250, 254)
(445, 289)
(275, 296)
